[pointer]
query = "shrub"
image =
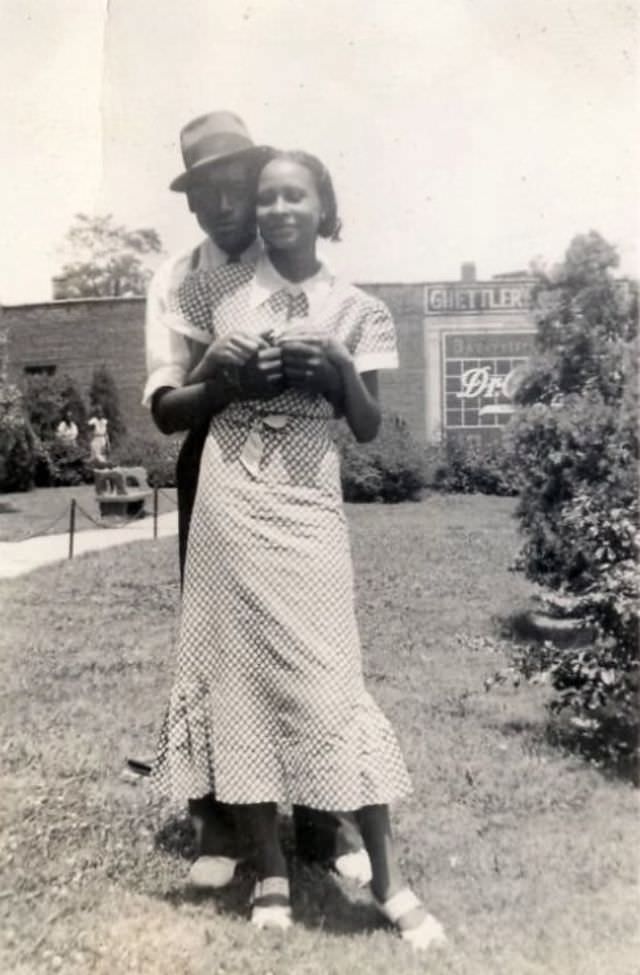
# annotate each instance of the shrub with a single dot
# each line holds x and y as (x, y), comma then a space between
(17, 442)
(391, 468)
(576, 457)
(104, 392)
(158, 455)
(476, 468)
(46, 398)
(62, 465)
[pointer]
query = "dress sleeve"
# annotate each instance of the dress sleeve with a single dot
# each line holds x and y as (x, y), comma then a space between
(375, 346)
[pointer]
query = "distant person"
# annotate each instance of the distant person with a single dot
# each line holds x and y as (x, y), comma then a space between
(99, 442)
(221, 165)
(67, 430)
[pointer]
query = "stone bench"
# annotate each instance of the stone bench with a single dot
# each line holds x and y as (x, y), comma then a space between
(121, 491)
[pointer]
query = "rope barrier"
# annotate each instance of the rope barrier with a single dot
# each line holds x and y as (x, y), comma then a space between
(77, 509)
(41, 534)
(120, 523)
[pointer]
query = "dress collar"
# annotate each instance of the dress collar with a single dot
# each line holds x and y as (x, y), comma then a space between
(267, 281)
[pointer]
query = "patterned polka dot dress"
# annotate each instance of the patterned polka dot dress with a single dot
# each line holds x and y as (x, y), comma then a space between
(268, 702)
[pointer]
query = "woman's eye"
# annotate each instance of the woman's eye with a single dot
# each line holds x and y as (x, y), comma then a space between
(294, 196)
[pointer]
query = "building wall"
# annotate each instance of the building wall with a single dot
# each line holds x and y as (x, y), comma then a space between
(483, 326)
(403, 391)
(77, 336)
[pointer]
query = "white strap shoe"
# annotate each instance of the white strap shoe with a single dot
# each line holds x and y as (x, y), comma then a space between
(354, 866)
(212, 872)
(426, 933)
(271, 906)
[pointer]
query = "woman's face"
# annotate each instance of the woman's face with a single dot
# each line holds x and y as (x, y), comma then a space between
(288, 207)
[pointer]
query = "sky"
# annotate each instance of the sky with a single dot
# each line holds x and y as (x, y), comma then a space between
(468, 130)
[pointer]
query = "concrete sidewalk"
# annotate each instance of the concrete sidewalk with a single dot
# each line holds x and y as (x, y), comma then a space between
(18, 558)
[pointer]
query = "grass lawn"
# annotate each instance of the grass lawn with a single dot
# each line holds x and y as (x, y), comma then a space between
(528, 856)
(46, 510)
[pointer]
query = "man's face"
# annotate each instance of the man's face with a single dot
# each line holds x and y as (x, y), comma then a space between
(222, 197)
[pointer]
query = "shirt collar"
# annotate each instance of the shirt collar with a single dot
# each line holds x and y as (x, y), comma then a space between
(210, 256)
(267, 281)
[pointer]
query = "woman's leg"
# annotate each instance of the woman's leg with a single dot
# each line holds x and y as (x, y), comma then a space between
(261, 822)
(271, 905)
(394, 899)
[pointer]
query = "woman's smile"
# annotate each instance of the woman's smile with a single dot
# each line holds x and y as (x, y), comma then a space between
(288, 207)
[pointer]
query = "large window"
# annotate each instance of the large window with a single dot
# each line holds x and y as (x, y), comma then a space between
(480, 370)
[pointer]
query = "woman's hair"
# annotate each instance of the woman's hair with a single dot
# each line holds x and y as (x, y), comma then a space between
(330, 225)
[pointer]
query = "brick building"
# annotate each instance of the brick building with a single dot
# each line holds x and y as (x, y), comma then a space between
(460, 346)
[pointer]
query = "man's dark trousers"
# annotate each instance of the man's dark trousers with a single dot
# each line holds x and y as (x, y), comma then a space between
(316, 832)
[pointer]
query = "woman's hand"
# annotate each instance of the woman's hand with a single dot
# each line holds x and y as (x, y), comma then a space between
(310, 359)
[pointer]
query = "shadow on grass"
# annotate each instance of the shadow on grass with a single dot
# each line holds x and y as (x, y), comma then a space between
(610, 744)
(321, 900)
(601, 750)
(177, 837)
(6, 508)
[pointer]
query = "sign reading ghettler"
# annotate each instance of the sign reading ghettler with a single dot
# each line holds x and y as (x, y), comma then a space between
(481, 373)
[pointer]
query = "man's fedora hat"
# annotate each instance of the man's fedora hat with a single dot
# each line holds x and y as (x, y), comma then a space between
(210, 139)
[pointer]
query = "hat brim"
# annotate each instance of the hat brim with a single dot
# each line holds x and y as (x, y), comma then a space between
(252, 153)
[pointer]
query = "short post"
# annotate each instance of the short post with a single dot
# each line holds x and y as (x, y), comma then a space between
(155, 512)
(72, 525)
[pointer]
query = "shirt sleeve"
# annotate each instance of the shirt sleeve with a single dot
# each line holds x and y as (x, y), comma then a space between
(375, 346)
(167, 349)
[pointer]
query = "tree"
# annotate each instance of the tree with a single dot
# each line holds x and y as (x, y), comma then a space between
(584, 317)
(104, 392)
(105, 259)
(45, 400)
(18, 448)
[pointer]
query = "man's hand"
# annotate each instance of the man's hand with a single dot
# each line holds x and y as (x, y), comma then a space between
(262, 376)
(229, 352)
(310, 361)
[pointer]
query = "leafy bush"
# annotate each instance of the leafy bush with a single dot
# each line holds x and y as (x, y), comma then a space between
(158, 455)
(575, 465)
(391, 468)
(476, 468)
(46, 398)
(104, 392)
(575, 448)
(62, 465)
(17, 442)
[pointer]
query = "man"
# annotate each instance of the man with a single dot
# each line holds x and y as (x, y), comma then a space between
(221, 165)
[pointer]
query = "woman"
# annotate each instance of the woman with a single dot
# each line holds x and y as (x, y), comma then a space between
(99, 443)
(269, 704)
(67, 430)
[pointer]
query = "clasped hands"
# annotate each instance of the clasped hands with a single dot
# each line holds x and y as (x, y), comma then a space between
(261, 366)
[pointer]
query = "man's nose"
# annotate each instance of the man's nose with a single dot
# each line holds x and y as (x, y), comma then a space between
(225, 202)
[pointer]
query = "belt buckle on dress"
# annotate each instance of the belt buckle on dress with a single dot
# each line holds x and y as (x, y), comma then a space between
(251, 455)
